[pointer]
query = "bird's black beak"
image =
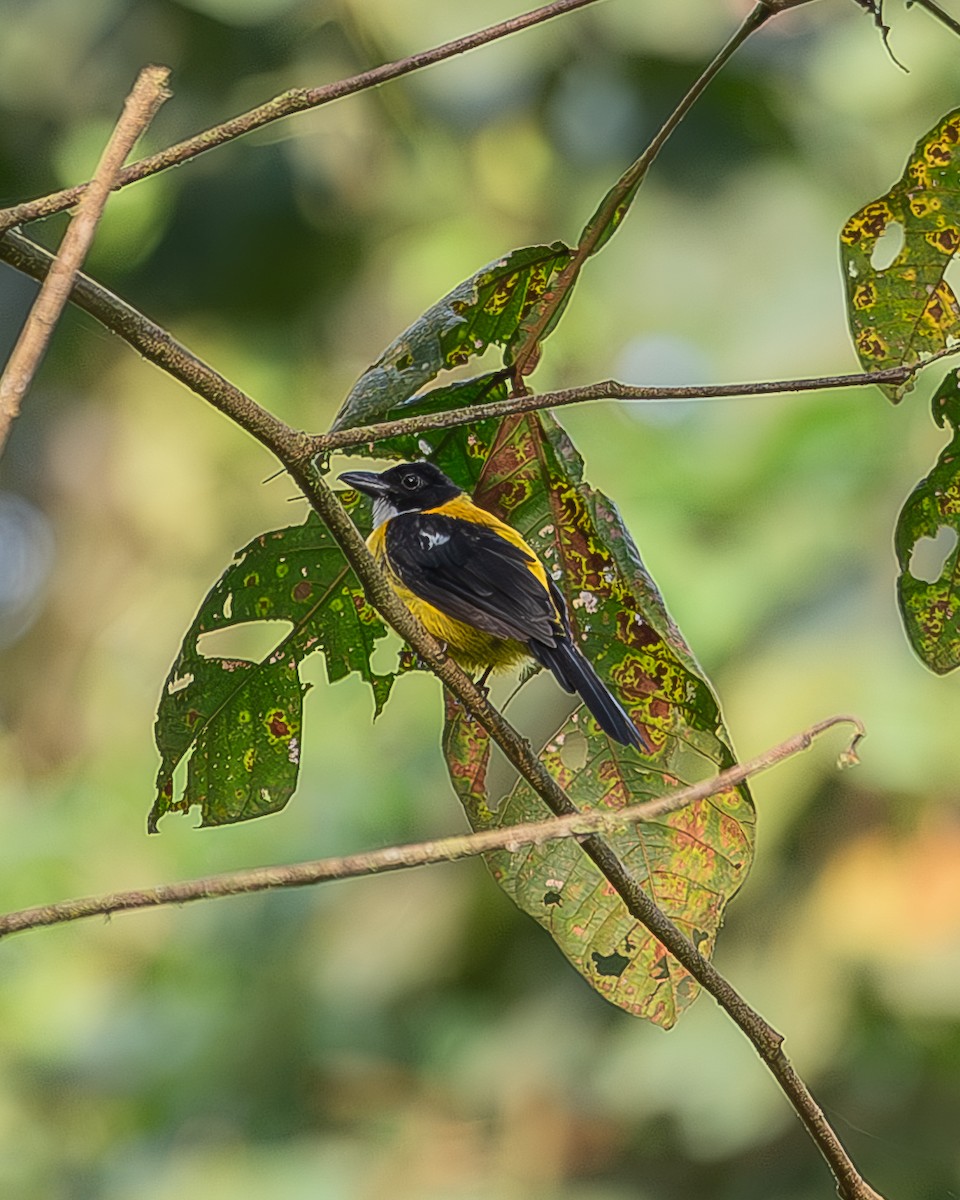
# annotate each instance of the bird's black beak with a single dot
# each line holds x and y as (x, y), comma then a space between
(368, 482)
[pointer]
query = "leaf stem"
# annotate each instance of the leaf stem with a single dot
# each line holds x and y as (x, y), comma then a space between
(614, 205)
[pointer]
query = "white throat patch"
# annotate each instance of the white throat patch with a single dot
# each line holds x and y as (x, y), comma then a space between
(383, 510)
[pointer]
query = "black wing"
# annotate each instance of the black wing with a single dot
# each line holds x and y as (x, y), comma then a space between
(470, 573)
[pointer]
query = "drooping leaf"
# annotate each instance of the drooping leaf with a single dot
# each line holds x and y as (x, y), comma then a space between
(243, 720)
(901, 311)
(691, 862)
(930, 608)
(484, 310)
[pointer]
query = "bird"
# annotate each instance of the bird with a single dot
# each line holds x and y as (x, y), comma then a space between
(477, 586)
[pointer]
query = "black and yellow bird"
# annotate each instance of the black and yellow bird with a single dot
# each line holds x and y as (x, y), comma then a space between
(477, 586)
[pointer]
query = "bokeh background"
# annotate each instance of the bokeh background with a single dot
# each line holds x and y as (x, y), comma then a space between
(413, 1035)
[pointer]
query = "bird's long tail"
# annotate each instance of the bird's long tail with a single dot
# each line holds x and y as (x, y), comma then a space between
(575, 674)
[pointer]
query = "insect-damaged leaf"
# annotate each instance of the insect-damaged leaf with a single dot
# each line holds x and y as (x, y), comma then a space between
(902, 310)
(243, 720)
(692, 861)
(484, 310)
(930, 607)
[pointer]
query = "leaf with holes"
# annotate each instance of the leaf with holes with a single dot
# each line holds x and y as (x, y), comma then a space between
(243, 720)
(930, 607)
(486, 309)
(690, 862)
(904, 310)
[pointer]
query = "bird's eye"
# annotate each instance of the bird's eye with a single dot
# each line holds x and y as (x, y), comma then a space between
(411, 482)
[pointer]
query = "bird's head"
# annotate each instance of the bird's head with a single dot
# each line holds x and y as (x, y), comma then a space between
(409, 487)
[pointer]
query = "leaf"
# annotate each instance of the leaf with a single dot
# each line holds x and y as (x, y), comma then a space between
(902, 311)
(484, 310)
(243, 720)
(930, 608)
(690, 862)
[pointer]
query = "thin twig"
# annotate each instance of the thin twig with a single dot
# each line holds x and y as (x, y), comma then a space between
(617, 200)
(164, 351)
(286, 104)
(936, 11)
(607, 389)
(419, 854)
(139, 109)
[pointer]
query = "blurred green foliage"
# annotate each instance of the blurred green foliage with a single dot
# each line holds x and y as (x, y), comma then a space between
(413, 1035)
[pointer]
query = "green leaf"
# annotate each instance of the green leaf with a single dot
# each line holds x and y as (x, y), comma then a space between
(930, 608)
(484, 310)
(692, 861)
(243, 720)
(902, 311)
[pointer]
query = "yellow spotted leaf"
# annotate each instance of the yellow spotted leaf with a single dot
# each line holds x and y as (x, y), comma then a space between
(899, 305)
(929, 592)
(691, 862)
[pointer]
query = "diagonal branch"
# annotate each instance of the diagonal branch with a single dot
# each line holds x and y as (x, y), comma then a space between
(286, 104)
(148, 93)
(936, 11)
(160, 347)
(293, 451)
(449, 849)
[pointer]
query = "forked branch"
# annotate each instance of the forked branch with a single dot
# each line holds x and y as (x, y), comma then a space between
(295, 452)
(286, 104)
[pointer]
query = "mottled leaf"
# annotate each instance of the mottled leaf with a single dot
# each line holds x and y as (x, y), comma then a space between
(243, 720)
(930, 606)
(691, 862)
(484, 310)
(904, 309)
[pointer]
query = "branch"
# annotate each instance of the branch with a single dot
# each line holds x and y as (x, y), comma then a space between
(286, 104)
(936, 11)
(158, 346)
(139, 109)
(420, 854)
(608, 389)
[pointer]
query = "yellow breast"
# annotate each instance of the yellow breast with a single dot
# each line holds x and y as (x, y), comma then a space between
(471, 647)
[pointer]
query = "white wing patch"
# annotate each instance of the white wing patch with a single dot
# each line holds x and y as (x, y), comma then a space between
(430, 539)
